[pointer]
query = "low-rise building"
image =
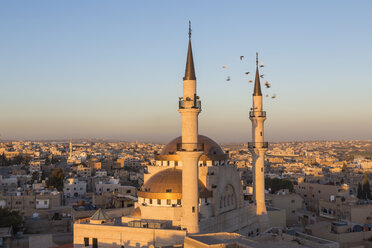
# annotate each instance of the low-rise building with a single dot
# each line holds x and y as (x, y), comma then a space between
(73, 187)
(290, 202)
(313, 192)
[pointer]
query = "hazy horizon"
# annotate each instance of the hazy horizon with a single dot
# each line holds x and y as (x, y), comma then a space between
(114, 69)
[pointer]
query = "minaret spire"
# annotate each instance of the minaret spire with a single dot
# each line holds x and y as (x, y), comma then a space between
(190, 70)
(189, 150)
(257, 84)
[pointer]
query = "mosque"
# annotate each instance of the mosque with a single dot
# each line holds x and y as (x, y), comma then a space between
(191, 189)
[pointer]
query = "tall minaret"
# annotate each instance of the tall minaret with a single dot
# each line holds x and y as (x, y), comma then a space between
(258, 147)
(70, 156)
(189, 150)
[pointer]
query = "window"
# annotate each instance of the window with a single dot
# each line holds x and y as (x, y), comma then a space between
(293, 211)
(168, 202)
(178, 201)
(159, 202)
(95, 243)
(128, 191)
(150, 201)
(293, 201)
(168, 190)
(261, 169)
(45, 202)
(193, 209)
(86, 241)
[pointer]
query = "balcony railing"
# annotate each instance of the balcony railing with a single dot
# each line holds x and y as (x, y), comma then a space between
(257, 113)
(190, 146)
(258, 145)
(196, 103)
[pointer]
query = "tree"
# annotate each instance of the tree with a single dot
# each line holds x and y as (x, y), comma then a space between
(360, 191)
(344, 167)
(3, 160)
(278, 184)
(35, 176)
(366, 189)
(42, 177)
(56, 179)
(10, 218)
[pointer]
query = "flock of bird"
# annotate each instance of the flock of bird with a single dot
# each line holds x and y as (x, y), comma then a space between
(267, 84)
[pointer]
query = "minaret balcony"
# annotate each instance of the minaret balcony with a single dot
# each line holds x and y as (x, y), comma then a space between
(190, 147)
(252, 145)
(189, 103)
(257, 114)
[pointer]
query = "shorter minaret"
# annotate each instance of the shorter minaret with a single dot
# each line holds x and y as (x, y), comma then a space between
(189, 150)
(258, 147)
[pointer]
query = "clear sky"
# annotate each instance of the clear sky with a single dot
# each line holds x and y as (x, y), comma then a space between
(114, 68)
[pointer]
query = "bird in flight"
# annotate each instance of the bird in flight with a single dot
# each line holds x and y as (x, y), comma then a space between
(247, 73)
(274, 96)
(224, 67)
(261, 64)
(241, 57)
(250, 80)
(267, 84)
(261, 76)
(267, 95)
(228, 78)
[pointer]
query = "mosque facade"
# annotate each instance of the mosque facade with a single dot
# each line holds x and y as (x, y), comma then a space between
(192, 188)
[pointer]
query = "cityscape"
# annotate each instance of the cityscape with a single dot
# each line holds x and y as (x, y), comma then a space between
(221, 179)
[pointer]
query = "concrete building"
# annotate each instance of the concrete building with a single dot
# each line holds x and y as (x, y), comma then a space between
(290, 202)
(349, 209)
(31, 201)
(73, 187)
(313, 192)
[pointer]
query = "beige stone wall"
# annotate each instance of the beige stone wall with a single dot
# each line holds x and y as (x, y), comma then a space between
(242, 220)
(116, 236)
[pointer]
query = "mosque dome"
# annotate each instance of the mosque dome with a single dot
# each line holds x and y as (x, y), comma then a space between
(167, 184)
(212, 150)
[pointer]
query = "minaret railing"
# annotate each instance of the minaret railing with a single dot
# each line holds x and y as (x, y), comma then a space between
(190, 146)
(182, 103)
(257, 113)
(252, 145)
